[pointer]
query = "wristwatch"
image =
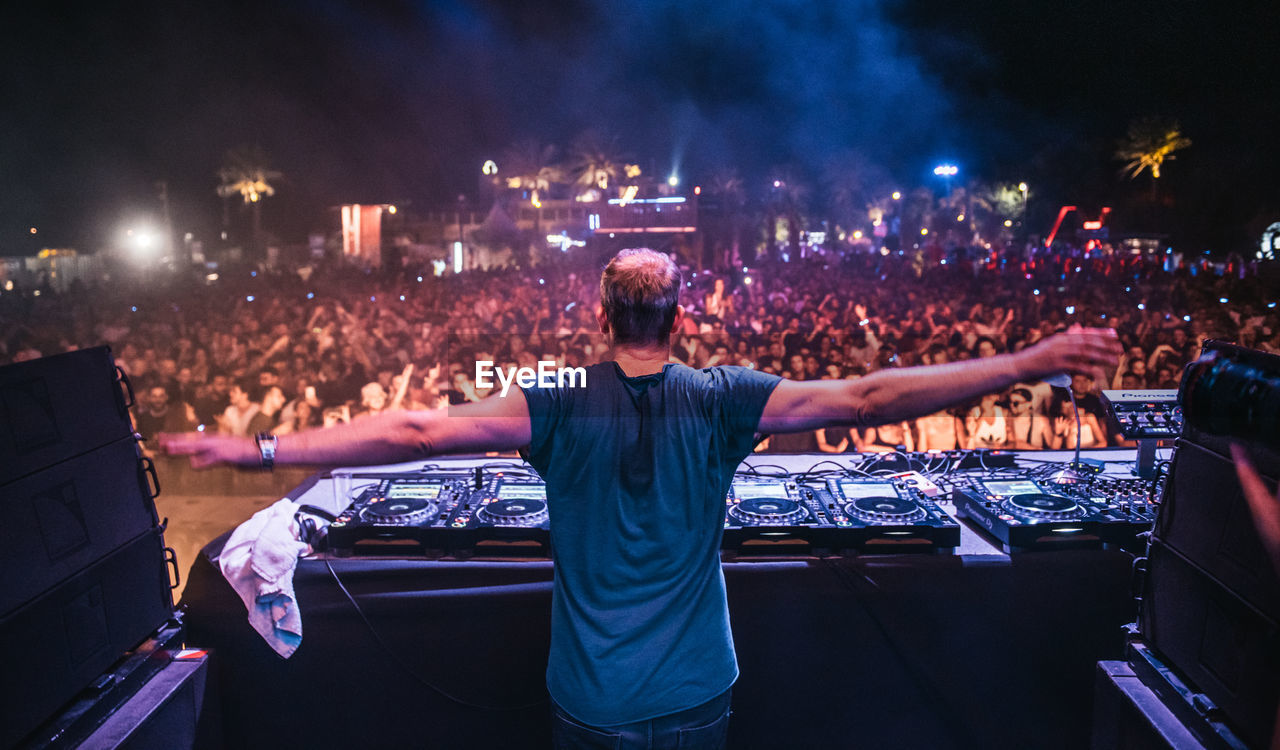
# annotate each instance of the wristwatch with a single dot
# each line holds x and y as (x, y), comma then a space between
(267, 444)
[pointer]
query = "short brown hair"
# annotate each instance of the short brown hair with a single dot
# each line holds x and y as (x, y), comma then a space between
(639, 291)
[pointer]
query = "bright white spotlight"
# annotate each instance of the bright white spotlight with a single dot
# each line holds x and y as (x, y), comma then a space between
(143, 241)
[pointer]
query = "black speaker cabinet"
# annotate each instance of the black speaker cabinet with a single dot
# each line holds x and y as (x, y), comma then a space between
(163, 715)
(59, 407)
(62, 519)
(1205, 518)
(56, 645)
(1226, 648)
(1129, 715)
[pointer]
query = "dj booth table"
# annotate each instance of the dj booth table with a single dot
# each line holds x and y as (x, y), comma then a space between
(975, 649)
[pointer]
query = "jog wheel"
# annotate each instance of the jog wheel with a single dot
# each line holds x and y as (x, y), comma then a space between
(400, 512)
(514, 512)
(767, 511)
(1043, 507)
(886, 510)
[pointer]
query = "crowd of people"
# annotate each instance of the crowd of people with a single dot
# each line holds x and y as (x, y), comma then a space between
(281, 350)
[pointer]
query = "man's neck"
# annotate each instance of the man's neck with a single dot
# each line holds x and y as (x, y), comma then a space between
(637, 361)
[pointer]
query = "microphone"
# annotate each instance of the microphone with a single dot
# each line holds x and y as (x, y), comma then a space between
(1068, 475)
(1061, 380)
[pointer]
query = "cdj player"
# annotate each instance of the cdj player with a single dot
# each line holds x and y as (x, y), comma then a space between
(398, 507)
(889, 514)
(772, 514)
(444, 514)
(506, 511)
(775, 514)
(1024, 513)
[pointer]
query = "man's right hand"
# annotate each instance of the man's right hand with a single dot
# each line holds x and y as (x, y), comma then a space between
(1086, 351)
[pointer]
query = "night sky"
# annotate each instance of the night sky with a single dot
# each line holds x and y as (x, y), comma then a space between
(401, 102)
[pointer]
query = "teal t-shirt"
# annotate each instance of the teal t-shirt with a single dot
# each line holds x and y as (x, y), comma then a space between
(637, 470)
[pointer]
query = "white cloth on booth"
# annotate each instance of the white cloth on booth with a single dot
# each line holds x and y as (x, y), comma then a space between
(258, 561)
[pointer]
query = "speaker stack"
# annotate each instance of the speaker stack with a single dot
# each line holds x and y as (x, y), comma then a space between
(83, 566)
(1209, 609)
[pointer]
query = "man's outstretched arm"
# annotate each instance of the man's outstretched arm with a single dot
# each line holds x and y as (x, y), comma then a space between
(896, 395)
(494, 424)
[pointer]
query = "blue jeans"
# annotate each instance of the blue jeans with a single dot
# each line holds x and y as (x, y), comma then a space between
(703, 727)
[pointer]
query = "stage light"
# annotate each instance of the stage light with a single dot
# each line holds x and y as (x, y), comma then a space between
(897, 196)
(248, 298)
(143, 241)
(1141, 306)
(311, 295)
(946, 170)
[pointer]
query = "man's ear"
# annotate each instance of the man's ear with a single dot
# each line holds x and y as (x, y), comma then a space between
(675, 322)
(601, 320)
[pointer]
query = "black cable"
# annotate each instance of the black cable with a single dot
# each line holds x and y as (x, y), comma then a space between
(390, 653)
(812, 470)
(755, 470)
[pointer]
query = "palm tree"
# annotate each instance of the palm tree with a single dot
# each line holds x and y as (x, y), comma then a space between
(595, 163)
(1149, 143)
(789, 198)
(245, 173)
(969, 204)
(1007, 203)
(726, 187)
(848, 179)
(530, 166)
(918, 209)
